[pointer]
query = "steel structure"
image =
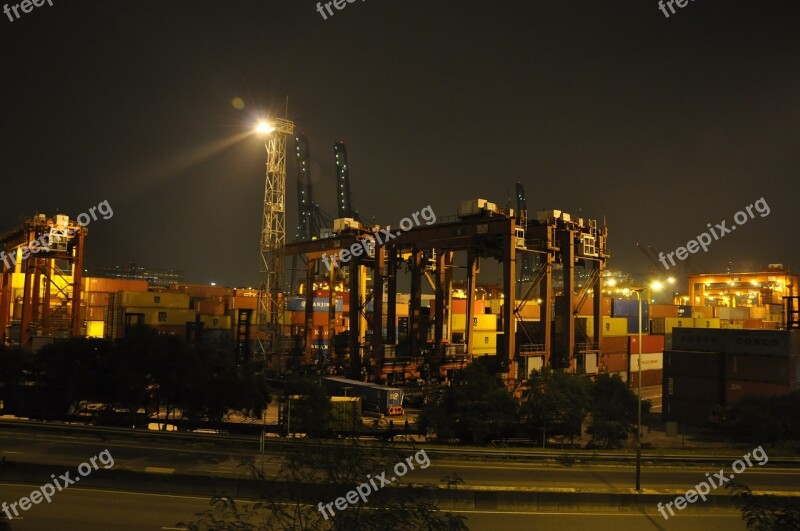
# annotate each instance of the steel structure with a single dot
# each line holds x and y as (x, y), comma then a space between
(553, 237)
(49, 253)
(344, 201)
(269, 318)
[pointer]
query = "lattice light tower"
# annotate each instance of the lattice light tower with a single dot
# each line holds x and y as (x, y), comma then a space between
(269, 317)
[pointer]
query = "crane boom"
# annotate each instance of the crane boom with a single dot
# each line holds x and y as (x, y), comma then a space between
(526, 270)
(344, 201)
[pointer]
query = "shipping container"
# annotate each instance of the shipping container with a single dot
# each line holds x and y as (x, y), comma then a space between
(196, 291)
(664, 325)
(650, 362)
(699, 339)
(736, 389)
(95, 329)
(700, 364)
(683, 311)
(706, 323)
(654, 343)
(376, 398)
(774, 369)
(345, 413)
(96, 298)
(614, 344)
(612, 326)
(757, 312)
(244, 303)
(587, 308)
(164, 316)
(216, 322)
(95, 313)
(298, 304)
(702, 312)
(752, 324)
(628, 307)
(481, 322)
(483, 343)
(663, 310)
(633, 325)
(209, 308)
(616, 362)
(155, 299)
(649, 378)
(530, 363)
(459, 306)
(113, 285)
(694, 388)
(762, 342)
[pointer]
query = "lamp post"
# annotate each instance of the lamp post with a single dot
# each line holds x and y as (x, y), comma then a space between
(655, 286)
(639, 396)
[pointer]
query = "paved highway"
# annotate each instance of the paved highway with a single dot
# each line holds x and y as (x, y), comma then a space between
(79, 509)
(67, 452)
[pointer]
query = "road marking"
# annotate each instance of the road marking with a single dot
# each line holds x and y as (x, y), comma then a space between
(10, 452)
(159, 470)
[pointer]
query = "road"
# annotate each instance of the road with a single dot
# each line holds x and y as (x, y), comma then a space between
(77, 509)
(67, 452)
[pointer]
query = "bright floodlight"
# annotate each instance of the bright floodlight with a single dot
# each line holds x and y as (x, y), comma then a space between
(671, 280)
(656, 286)
(264, 128)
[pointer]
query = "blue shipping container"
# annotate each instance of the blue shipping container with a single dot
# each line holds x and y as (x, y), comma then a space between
(298, 304)
(627, 307)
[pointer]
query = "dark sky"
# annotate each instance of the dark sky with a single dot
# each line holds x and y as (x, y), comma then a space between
(603, 107)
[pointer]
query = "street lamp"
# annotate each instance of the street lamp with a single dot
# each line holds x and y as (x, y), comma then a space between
(654, 286)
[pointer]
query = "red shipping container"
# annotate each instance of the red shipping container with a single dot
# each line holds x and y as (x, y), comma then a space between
(614, 344)
(693, 388)
(649, 378)
(701, 364)
(615, 362)
(650, 344)
(775, 369)
(736, 389)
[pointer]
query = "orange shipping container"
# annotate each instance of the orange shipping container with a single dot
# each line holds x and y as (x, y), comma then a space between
(113, 285)
(460, 306)
(617, 362)
(209, 308)
(244, 303)
(95, 313)
(587, 308)
(94, 298)
(615, 344)
(649, 378)
(755, 324)
(663, 310)
(735, 390)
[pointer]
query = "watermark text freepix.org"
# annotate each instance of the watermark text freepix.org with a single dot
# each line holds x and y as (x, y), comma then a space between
(701, 489)
(338, 4)
(26, 6)
(367, 244)
(43, 242)
(704, 239)
(679, 3)
(365, 489)
(46, 491)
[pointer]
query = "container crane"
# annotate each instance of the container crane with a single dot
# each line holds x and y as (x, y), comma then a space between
(344, 201)
(526, 269)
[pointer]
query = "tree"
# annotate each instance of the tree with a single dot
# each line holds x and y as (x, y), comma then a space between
(476, 409)
(613, 411)
(308, 407)
(311, 473)
(765, 512)
(557, 404)
(761, 419)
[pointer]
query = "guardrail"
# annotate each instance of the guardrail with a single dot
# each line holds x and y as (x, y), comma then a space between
(452, 452)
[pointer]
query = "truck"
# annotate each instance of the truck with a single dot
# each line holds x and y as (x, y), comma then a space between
(374, 397)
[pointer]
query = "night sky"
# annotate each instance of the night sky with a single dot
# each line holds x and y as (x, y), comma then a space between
(601, 108)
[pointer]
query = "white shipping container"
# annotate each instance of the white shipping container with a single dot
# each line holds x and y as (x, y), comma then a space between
(651, 361)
